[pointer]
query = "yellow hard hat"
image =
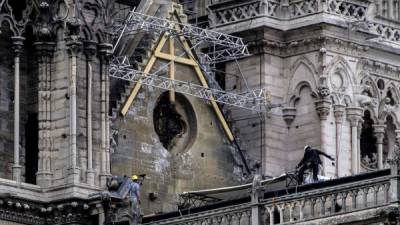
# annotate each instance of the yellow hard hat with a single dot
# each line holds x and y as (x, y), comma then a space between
(134, 177)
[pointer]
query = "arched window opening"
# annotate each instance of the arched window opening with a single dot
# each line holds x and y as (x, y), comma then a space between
(390, 99)
(369, 157)
(32, 150)
(389, 140)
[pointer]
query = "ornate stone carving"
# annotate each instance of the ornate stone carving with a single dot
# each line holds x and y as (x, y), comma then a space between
(354, 115)
(338, 111)
(323, 108)
(347, 9)
(302, 8)
(289, 114)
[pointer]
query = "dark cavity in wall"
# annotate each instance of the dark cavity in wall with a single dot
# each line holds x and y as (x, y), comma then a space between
(32, 150)
(168, 123)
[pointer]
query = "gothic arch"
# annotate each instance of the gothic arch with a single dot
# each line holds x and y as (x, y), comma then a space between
(367, 81)
(297, 93)
(298, 79)
(394, 91)
(341, 63)
(87, 33)
(7, 19)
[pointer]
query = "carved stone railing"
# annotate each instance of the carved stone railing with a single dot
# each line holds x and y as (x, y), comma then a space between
(298, 8)
(321, 201)
(244, 11)
(325, 202)
(234, 215)
(356, 12)
(227, 12)
(351, 9)
(385, 32)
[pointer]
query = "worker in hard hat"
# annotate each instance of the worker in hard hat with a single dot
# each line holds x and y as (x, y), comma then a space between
(134, 193)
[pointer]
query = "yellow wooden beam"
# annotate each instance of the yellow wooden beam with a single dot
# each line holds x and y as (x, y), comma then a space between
(174, 58)
(214, 104)
(146, 70)
(172, 69)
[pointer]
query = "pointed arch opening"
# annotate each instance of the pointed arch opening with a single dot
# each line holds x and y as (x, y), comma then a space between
(368, 148)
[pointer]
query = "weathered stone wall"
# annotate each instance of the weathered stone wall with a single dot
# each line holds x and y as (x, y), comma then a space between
(7, 115)
(205, 161)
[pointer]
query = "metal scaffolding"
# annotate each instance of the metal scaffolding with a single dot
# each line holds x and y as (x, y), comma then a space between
(224, 47)
(256, 100)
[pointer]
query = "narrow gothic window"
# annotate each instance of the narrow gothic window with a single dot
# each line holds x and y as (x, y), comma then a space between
(368, 148)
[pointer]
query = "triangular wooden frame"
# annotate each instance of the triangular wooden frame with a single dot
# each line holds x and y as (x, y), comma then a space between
(173, 59)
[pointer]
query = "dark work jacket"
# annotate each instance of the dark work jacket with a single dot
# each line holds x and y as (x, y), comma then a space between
(312, 156)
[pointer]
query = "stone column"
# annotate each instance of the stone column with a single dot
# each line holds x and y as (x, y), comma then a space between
(256, 192)
(17, 46)
(397, 137)
(394, 163)
(338, 112)
(354, 115)
(359, 131)
(74, 47)
(44, 52)
(323, 108)
(105, 52)
(379, 131)
(90, 50)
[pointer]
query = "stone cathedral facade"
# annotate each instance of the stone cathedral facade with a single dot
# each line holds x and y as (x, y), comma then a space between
(332, 66)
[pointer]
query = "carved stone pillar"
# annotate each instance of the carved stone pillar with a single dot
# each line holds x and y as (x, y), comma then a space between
(17, 42)
(90, 51)
(379, 132)
(105, 170)
(354, 115)
(397, 137)
(74, 48)
(323, 108)
(394, 163)
(338, 111)
(44, 52)
(256, 192)
(359, 131)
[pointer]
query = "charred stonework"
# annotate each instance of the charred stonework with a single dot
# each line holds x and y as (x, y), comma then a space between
(167, 122)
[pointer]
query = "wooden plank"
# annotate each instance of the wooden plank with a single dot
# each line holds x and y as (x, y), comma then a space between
(146, 70)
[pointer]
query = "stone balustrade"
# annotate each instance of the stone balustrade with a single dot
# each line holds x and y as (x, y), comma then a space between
(351, 9)
(319, 201)
(235, 215)
(299, 8)
(354, 11)
(243, 11)
(322, 203)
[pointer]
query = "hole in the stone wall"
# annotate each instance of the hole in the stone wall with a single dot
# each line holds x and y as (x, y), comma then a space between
(124, 137)
(168, 122)
(297, 127)
(31, 148)
(381, 84)
(174, 123)
(202, 154)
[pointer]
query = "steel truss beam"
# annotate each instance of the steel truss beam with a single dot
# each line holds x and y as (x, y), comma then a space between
(256, 100)
(225, 47)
